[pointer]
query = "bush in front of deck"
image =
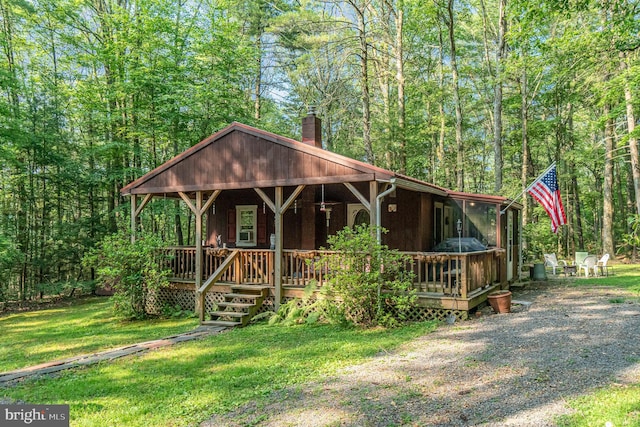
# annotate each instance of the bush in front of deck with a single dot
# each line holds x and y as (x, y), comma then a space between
(368, 279)
(131, 269)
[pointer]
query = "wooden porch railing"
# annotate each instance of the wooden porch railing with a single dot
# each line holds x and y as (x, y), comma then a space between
(251, 265)
(301, 267)
(447, 274)
(181, 260)
(455, 274)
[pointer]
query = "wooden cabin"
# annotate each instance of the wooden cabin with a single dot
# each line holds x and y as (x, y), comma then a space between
(264, 205)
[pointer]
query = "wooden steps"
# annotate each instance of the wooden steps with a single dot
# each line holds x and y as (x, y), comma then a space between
(223, 323)
(241, 295)
(239, 305)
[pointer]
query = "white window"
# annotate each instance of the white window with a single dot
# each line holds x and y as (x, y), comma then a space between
(246, 225)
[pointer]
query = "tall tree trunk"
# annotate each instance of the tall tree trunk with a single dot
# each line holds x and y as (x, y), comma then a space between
(633, 141)
(399, 51)
(443, 118)
(7, 29)
(380, 68)
(524, 178)
(607, 190)
(497, 98)
(364, 80)
(456, 100)
(257, 103)
(578, 235)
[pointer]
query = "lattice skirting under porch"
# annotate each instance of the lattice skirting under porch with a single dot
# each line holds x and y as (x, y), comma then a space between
(422, 314)
(186, 300)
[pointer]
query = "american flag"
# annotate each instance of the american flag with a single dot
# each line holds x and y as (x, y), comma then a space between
(545, 190)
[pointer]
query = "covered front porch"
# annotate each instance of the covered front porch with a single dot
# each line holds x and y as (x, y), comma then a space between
(444, 282)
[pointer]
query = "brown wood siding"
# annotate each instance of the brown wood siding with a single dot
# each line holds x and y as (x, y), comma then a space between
(426, 222)
(224, 221)
(239, 160)
(262, 228)
(407, 229)
(231, 226)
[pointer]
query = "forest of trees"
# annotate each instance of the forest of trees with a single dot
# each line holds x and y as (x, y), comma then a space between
(474, 95)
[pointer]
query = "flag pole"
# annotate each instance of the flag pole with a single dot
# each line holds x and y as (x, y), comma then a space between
(528, 187)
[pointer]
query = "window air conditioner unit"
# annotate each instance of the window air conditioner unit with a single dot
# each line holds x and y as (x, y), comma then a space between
(246, 236)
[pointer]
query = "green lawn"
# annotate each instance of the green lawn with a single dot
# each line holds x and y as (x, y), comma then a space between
(621, 276)
(184, 384)
(619, 404)
(87, 326)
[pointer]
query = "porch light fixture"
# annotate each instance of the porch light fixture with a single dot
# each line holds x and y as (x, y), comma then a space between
(264, 208)
(295, 206)
(459, 228)
(327, 212)
(213, 208)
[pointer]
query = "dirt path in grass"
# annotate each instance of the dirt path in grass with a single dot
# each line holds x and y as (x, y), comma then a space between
(516, 369)
(8, 379)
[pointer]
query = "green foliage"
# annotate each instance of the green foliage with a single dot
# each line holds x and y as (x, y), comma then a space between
(631, 240)
(10, 258)
(368, 281)
(540, 237)
(66, 289)
(176, 312)
(310, 309)
(132, 269)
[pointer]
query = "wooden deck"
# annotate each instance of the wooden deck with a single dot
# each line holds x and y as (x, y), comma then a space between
(449, 281)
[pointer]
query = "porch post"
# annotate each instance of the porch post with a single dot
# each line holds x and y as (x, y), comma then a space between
(499, 228)
(373, 212)
(133, 218)
(198, 214)
(277, 268)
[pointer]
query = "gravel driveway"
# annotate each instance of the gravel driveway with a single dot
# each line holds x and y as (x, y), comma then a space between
(514, 369)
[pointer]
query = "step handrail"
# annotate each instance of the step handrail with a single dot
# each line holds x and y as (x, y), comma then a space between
(219, 272)
(202, 292)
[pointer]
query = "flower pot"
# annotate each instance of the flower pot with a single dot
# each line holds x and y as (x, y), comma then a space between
(500, 301)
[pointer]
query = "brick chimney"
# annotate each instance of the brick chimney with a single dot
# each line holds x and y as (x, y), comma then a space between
(312, 129)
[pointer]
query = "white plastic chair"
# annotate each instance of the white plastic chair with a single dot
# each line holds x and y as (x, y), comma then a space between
(589, 264)
(579, 258)
(602, 266)
(550, 260)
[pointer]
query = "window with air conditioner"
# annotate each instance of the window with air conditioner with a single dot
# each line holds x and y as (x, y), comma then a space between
(246, 225)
